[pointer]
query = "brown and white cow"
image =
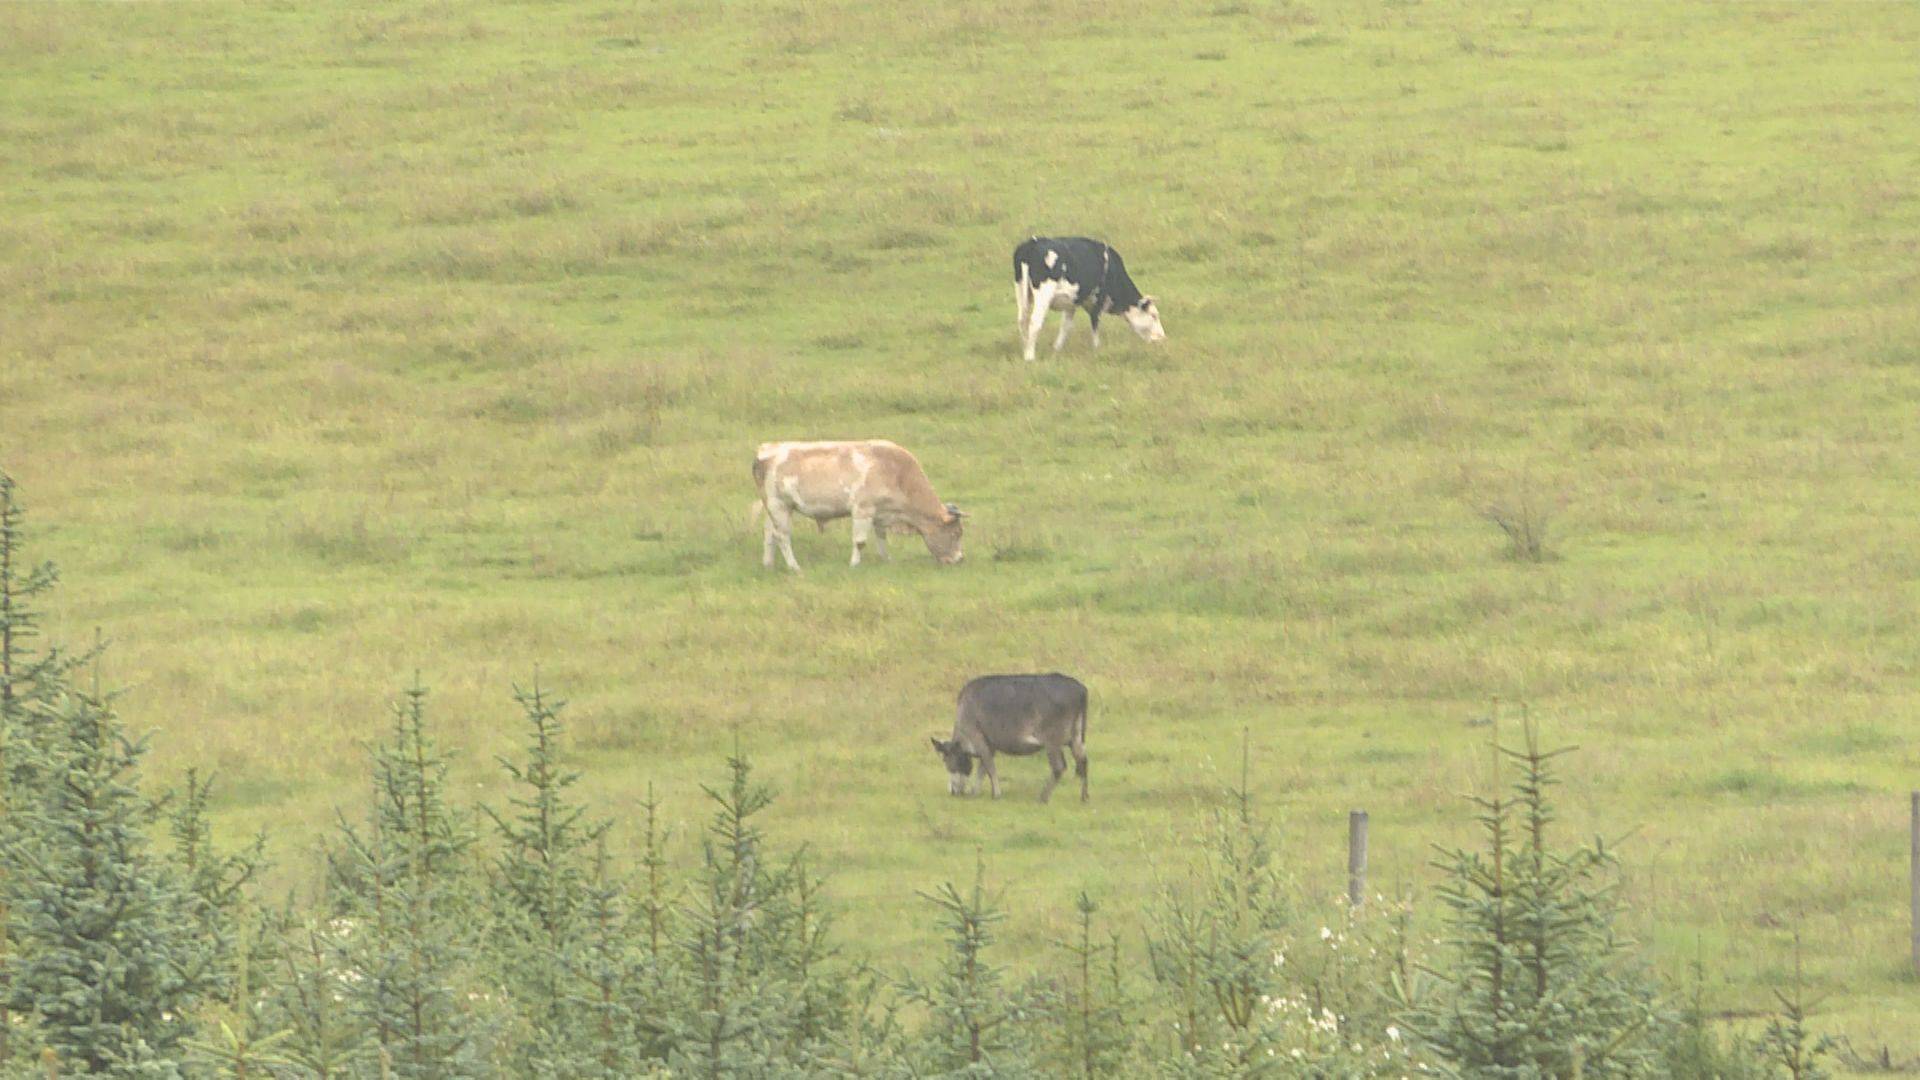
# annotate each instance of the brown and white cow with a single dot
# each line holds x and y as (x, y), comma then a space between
(876, 483)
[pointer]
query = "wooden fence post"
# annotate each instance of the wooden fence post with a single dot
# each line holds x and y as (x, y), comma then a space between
(1913, 871)
(1357, 859)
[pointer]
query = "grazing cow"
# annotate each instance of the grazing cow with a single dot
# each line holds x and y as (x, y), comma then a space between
(877, 484)
(1058, 273)
(1017, 714)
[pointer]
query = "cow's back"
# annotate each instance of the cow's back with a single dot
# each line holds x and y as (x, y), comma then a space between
(999, 702)
(1080, 259)
(827, 478)
(812, 478)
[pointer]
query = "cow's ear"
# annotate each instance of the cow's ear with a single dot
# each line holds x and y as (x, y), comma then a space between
(938, 746)
(954, 512)
(1147, 302)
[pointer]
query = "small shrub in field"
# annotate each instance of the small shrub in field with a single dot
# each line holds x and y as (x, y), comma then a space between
(1021, 547)
(859, 111)
(904, 238)
(839, 342)
(1525, 520)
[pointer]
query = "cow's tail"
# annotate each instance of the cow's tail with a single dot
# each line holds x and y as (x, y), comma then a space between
(1080, 746)
(1080, 724)
(760, 485)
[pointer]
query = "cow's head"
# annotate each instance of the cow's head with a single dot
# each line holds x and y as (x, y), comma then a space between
(959, 764)
(1144, 317)
(943, 539)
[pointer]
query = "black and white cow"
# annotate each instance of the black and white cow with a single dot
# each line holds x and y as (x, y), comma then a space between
(1064, 272)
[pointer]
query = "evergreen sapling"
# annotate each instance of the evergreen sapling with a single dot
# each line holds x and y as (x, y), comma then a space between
(408, 916)
(1541, 982)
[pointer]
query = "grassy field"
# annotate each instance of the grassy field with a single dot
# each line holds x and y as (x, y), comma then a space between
(339, 345)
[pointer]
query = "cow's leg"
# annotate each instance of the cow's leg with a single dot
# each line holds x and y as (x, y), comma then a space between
(780, 530)
(1066, 324)
(987, 770)
(768, 544)
(862, 533)
(1093, 325)
(1022, 296)
(1037, 316)
(880, 543)
(1056, 761)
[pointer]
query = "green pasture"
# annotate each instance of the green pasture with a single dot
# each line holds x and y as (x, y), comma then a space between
(343, 342)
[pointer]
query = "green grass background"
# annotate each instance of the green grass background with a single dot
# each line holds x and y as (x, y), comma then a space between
(337, 343)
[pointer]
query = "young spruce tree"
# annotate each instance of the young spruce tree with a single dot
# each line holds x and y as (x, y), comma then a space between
(754, 993)
(408, 917)
(236, 1042)
(216, 886)
(602, 1034)
(1541, 982)
(1787, 1044)
(1696, 1050)
(24, 677)
(26, 674)
(538, 892)
(1215, 945)
(1095, 1025)
(107, 954)
(307, 999)
(976, 1025)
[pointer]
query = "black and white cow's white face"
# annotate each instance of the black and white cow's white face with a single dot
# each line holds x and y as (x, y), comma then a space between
(1144, 317)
